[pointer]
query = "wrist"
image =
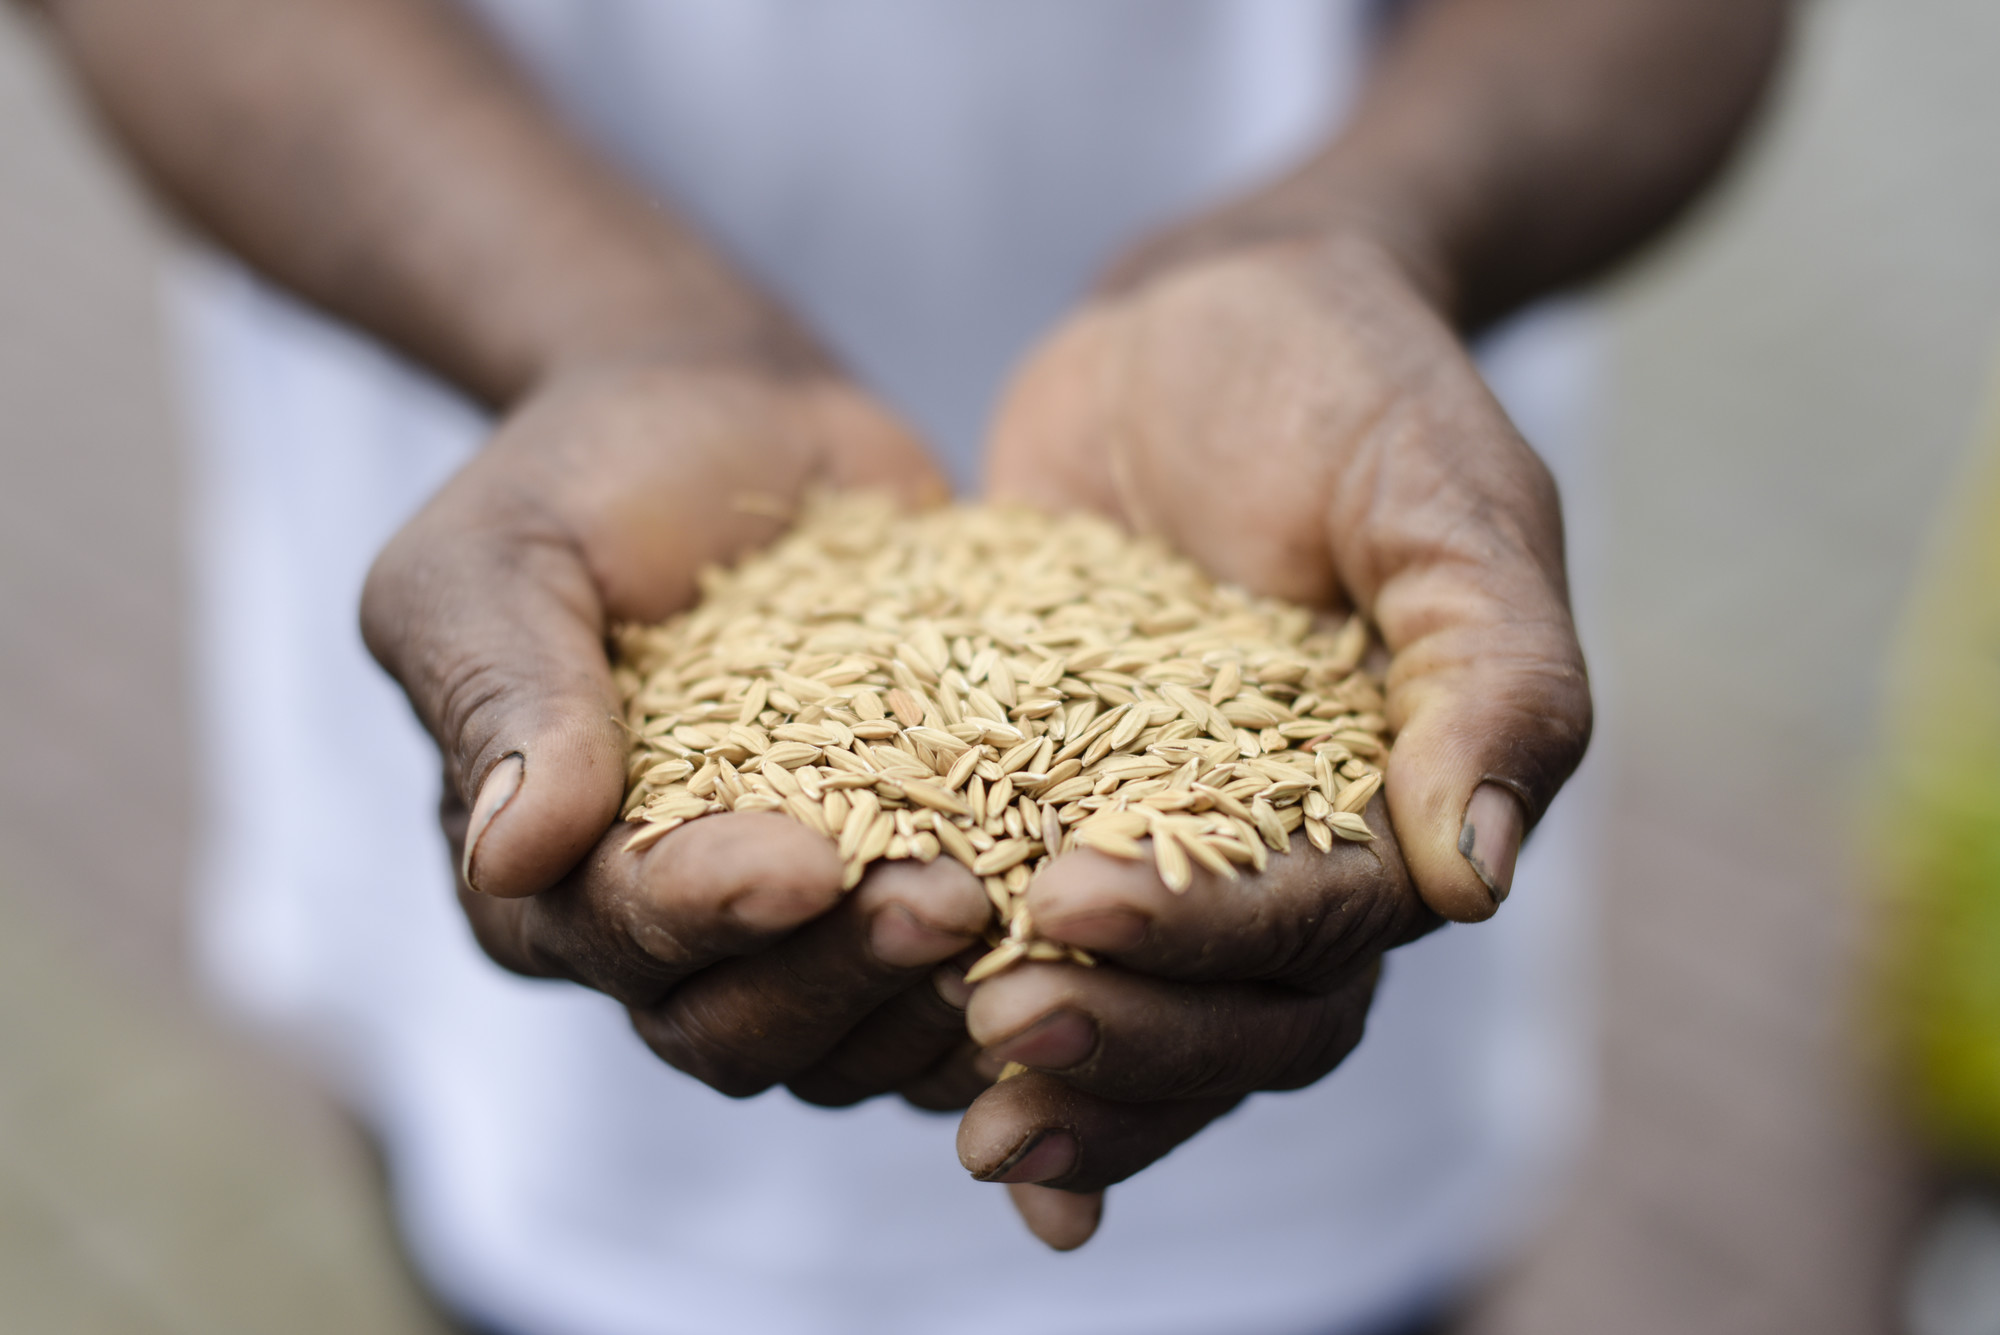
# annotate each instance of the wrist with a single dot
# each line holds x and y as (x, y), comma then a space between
(669, 324)
(1329, 208)
(619, 285)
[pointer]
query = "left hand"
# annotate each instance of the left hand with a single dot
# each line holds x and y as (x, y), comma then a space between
(1299, 418)
(729, 941)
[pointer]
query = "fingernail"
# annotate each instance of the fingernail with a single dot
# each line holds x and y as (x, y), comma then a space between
(1043, 1157)
(902, 940)
(1103, 929)
(1054, 1043)
(502, 782)
(950, 983)
(1490, 839)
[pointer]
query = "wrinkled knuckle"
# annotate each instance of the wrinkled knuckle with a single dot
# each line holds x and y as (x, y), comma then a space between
(560, 935)
(470, 692)
(1315, 1040)
(1297, 943)
(691, 1039)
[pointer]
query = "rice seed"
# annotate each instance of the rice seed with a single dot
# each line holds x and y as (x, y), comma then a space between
(1354, 797)
(999, 687)
(936, 798)
(1111, 842)
(807, 812)
(651, 835)
(955, 843)
(961, 769)
(1001, 793)
(876, 842)
(996, 894)
(1171, 860)
(1350, 826)
(1128, 729)
(1003, 856)
(906, 707)
(1202, 850)
(1019, 756)
(1228, 681)
(1270, 827)
(1003, 956)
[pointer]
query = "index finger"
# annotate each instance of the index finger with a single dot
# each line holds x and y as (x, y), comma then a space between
(1305, 920)
(632, 923)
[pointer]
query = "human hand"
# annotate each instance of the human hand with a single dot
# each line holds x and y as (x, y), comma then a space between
(729, 940)
(1298, 418)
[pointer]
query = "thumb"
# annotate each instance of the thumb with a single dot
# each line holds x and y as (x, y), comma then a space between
(1495, 721)
(494, 628)
(1490, 704)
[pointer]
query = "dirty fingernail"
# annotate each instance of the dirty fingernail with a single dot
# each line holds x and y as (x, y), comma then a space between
(1041, 1158)
(1490, 839)
(1053, 1043)
(502, 782)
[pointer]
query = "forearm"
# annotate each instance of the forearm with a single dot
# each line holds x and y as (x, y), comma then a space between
(1505, 148)
(381, 159)
(1519, 145)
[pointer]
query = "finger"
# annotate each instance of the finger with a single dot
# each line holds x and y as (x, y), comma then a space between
(1126, 1036)
(492, 625)
(751, 1022)
(952, 1083)
(1455, 545)
(1037, 1129)
(1306, 920)
(1065, 1220)
(1045, 445)
(903, 1045)
(633, 924)
(1492, 715)
(866, 446)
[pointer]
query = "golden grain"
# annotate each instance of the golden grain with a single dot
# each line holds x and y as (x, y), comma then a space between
(998, 687)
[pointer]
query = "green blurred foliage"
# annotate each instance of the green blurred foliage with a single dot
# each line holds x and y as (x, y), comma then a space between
(1938, 844)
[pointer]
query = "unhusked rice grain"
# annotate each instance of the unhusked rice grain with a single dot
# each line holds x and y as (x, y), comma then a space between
(998, 686)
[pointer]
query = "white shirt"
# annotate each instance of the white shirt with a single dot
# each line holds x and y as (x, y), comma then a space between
(931, 182)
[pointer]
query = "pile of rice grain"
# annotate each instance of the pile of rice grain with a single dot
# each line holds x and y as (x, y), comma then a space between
(998, 685)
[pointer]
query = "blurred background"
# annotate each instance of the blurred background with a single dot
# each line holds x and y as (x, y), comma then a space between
(1794, 380)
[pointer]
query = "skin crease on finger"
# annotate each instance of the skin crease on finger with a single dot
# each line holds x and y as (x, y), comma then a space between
(776, 1014)
(1306, 921)
(1127, 1036)
(634, 924)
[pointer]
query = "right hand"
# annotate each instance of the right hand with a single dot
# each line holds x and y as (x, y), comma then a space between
(729, 940)
(1300, 419)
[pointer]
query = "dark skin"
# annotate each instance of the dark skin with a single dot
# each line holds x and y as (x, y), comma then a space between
(1303, 345)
